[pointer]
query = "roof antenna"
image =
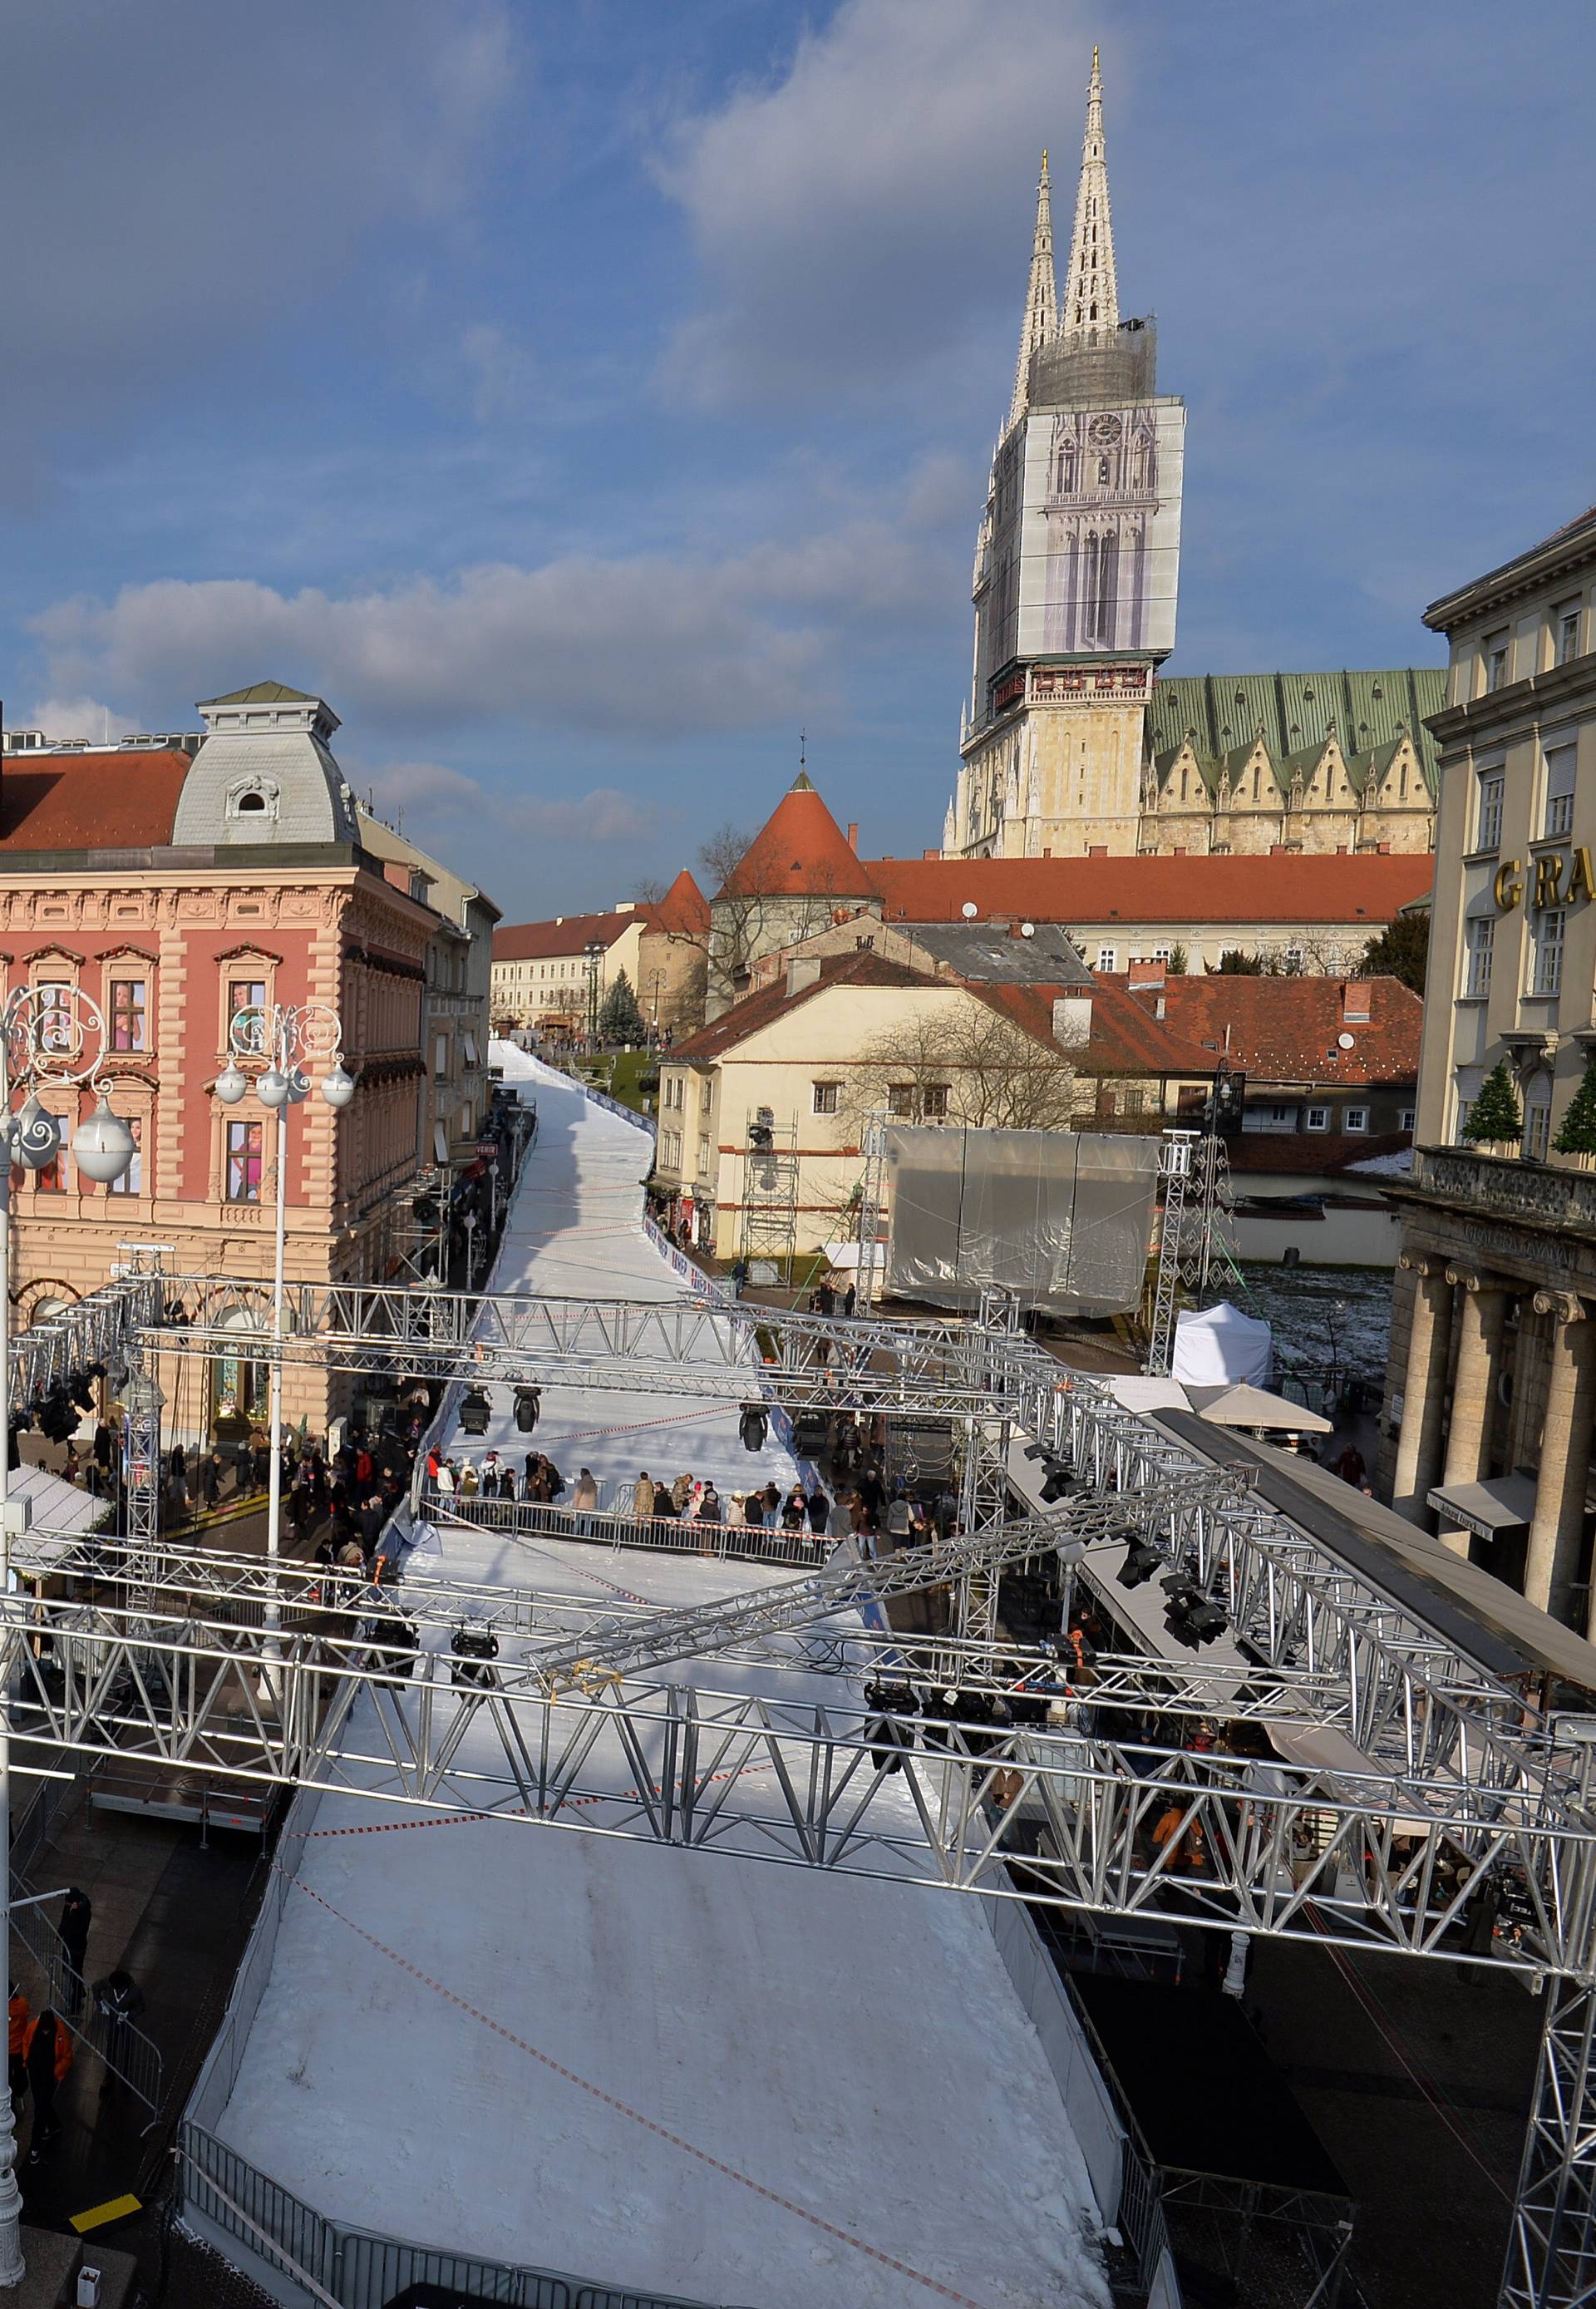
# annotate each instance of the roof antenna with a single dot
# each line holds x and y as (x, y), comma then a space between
(803, 756)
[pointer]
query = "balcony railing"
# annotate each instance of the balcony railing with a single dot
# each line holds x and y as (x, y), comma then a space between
(1508, 1188)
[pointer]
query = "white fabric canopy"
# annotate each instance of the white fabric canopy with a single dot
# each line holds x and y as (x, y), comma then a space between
(1219, 1346)
(1256, 1407)
(61, 1514)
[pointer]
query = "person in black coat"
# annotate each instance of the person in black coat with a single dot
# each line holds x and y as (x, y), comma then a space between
(819, 1511)
(77, 1913)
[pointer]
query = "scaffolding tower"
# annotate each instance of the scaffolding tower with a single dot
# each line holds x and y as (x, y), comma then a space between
(769, 1229)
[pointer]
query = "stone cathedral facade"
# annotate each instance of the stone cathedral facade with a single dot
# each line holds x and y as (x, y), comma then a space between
(1071, 744)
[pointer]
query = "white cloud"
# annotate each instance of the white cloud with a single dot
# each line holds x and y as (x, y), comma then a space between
(648, 646)
(79, 717)
(433, 794)
(853, 217)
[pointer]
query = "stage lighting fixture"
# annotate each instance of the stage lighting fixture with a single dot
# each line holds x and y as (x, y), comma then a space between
(752, 1423)
(529, 1403)
(1140, 1564)
(475, 1411)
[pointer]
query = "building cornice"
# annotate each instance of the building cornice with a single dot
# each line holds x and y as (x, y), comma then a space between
(1566, 551)
(1501, 711)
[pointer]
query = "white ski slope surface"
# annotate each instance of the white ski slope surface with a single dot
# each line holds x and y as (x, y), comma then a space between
(854, 2047)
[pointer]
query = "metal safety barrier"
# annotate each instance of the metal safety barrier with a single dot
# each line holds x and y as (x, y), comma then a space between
(605, 1527)
(357, 2269)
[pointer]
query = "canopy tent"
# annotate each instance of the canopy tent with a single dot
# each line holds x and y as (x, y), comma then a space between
(1256, 1407)
(60, 1515)
(1216, 1346)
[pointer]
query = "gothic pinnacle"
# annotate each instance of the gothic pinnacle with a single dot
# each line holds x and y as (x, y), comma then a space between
(1041, 297)
(1091, 292)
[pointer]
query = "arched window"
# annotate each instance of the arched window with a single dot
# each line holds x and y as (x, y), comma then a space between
(252, 800)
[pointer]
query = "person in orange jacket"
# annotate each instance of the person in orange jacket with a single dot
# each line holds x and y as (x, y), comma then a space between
(17, 2012)
(46, 2049)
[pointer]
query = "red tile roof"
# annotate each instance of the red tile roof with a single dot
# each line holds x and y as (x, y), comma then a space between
(859, 968)
(1325, 1154)
(799, 850)
(110, 800)
(1289, 1029)
(568, 934)
(684, 910)
(1291, 887)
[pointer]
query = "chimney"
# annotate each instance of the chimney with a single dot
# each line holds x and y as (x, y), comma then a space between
(1355, 1001)
(853, 840)
(803, 970)
(1047, 854)
(930, 853)
(1097, 850)
(1146, 977)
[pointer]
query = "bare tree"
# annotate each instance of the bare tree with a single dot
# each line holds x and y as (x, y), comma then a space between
(966, 1063)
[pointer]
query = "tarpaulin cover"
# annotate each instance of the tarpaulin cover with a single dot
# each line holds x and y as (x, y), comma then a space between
(1220, 1346)
(1062, 1218)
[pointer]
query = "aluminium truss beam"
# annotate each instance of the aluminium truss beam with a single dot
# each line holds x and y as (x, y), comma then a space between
(1218, 1842)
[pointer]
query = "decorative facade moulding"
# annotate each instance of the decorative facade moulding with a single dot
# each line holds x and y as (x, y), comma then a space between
(389, 964)
(1424, 1264)
(1472, 1280)
(130, 954)
(55, 954)
(250, 953)
(1562, 1305)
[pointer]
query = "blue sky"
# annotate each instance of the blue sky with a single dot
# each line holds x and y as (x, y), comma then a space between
(584, 397)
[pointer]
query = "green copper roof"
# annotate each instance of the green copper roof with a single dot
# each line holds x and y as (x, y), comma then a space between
(1295, 713)
(264, 693)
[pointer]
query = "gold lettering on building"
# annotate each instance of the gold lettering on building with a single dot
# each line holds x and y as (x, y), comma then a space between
(1507, 888)
(1548, 873)
(1581, 883)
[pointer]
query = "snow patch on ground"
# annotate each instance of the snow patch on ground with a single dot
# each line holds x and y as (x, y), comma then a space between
(855, 2048)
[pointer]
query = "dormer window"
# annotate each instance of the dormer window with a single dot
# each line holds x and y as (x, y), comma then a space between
(254, 799)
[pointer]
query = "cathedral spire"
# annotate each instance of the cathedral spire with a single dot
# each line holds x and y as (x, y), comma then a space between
(1090, 292)
(1041, 298)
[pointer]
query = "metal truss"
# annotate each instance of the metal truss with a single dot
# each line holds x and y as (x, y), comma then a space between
(1551, 2256)
(1463, 1788)
(102, 1328)
(1086, 1821)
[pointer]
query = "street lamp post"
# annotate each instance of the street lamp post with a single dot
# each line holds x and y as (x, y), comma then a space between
(595, 952)
(53, 1037)
(279, 1038)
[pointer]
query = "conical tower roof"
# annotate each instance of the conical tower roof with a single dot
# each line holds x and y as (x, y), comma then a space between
(800, 851)
(684, 909)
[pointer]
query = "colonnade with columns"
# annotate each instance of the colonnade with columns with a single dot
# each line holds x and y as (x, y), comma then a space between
(1458, 1321)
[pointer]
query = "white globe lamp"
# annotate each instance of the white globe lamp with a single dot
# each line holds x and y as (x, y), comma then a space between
(104, 1147)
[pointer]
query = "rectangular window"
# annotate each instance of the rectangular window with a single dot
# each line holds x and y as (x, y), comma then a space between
(1464, 1108)
(1408, 1120)
(1269, 1118)
(247, 994)
(1318, 1118)
(1558, 819)
(1481, 944)
(899, 1100)
(1549, 951)
(127, 1013)
(440, 1143)
(243, 1181)
(934, 1103)
(1108, 958)
(1494, 652)
(1538, 1132)
(1355, 1118)
(1487, 826)
(1568, 631)
(706, 1092)
(826, 1096)
(132, 1181)
(440, 1057)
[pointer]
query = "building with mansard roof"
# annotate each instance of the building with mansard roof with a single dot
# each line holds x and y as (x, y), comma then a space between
(1071, 743)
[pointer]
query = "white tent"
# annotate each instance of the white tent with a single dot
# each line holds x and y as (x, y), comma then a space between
(1254, 1406)
(1219, 1346)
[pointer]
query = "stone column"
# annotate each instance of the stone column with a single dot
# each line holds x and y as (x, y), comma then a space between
(1551, 1562)
(1424, 1386)
(1480, 1316)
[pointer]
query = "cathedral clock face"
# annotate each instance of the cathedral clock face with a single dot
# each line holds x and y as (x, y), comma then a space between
(1103, 432)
